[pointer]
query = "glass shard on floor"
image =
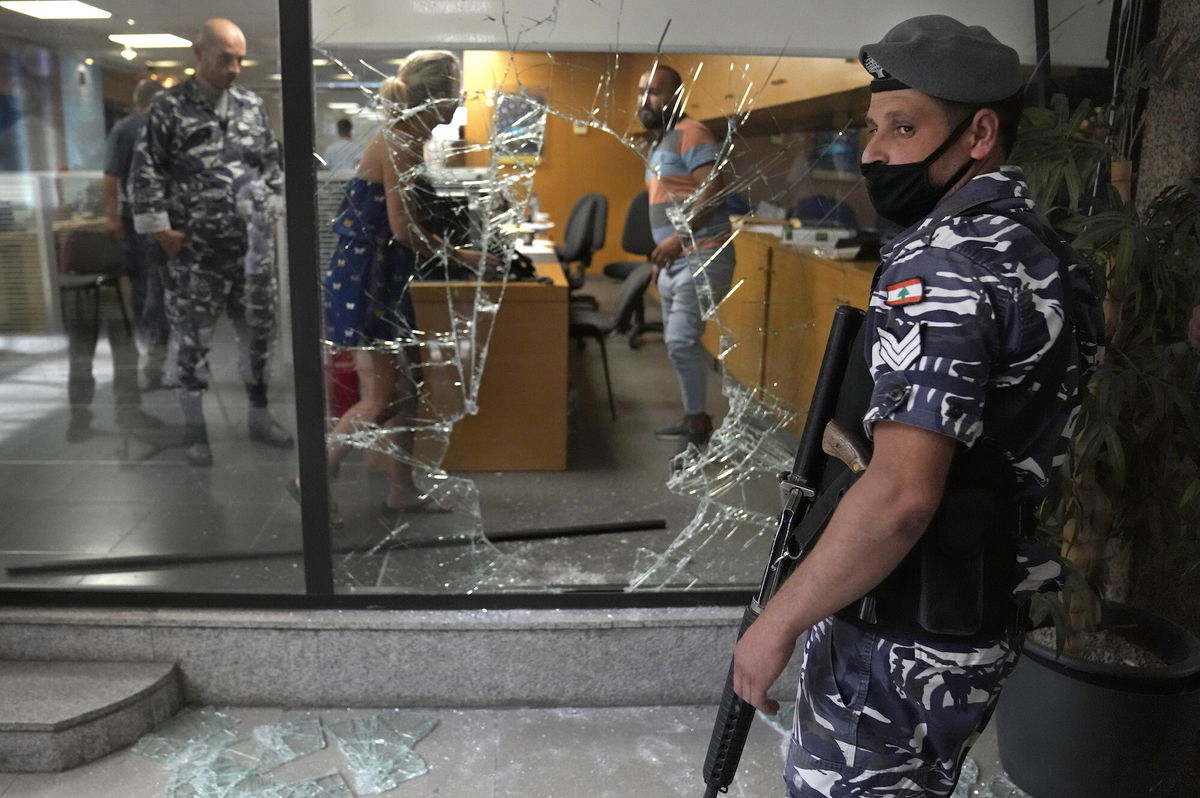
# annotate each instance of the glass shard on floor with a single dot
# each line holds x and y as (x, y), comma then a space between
(207, 756)
(378, 749)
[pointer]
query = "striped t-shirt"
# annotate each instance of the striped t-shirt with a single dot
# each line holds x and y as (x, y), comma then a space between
(683, 149)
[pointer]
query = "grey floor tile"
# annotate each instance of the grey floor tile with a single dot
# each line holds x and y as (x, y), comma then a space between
(121, 775)
(648, 752)
(83, 527)
(615, 753)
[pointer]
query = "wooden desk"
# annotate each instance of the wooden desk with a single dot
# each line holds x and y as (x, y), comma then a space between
(522, 420)
(779, 317)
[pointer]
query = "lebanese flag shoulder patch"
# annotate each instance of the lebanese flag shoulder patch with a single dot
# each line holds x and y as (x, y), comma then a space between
(908, 292)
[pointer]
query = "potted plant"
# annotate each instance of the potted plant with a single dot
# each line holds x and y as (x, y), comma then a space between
(1110, 704)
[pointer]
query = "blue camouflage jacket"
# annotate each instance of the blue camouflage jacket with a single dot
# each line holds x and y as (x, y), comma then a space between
(965, 306)
(190, 162)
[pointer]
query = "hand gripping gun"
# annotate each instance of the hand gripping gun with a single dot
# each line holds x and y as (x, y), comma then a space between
(793, 537)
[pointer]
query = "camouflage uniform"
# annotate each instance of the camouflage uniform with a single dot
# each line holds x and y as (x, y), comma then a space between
(964, 306)
(189, 166)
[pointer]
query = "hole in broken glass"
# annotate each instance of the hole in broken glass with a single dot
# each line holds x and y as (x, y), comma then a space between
(772, 169)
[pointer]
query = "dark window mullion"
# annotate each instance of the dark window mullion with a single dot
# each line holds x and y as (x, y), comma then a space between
(295, 56)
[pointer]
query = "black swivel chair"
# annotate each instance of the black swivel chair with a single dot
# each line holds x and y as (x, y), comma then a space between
(584, 236)
(587, 323)
(636, 238)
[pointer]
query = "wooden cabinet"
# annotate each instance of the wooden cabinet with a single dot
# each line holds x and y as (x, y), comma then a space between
(779, 327)
(521, 424)
(739, 338)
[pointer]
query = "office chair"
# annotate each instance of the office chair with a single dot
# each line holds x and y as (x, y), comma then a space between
(584, 236)
(636, 238)
(586, 323)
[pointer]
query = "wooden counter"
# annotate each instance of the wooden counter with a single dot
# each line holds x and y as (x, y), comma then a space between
(522, 420)
(778, 318)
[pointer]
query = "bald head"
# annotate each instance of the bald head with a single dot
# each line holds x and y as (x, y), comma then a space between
(220, 47)
(219, 31)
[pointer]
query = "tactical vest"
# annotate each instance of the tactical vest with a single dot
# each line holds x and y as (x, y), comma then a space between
(957, 582)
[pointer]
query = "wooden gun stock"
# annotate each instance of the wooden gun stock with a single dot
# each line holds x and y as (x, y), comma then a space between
(838, 442)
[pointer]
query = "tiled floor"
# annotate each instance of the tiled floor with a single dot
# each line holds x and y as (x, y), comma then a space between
(133, 495)
(628, 752)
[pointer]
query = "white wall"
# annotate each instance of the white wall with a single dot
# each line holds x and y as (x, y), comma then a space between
(762, 27)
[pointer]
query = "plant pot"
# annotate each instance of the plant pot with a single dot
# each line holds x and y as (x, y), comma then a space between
(1071, 728)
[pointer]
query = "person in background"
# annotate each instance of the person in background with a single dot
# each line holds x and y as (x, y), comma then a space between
(982, 331)
(202, 141)
(383, 228)
(343, 154)
(144, 261)
(680, 174)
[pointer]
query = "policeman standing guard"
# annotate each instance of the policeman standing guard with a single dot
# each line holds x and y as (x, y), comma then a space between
(204, 140)
(981, 331)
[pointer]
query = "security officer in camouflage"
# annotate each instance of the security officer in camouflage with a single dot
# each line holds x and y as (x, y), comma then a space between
(204, 141)
(981, 330)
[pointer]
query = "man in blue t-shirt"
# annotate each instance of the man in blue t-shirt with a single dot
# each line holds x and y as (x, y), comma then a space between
(143, 262)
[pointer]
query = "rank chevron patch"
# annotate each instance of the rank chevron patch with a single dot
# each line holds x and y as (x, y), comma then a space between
(899, 349)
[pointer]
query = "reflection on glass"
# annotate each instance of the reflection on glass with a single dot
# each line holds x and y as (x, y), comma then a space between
(104, 475)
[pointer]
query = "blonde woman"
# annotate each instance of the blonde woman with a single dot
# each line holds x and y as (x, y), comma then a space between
(383, 228)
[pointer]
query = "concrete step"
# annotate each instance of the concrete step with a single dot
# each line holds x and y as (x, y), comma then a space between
(671, 656)
(56, 715)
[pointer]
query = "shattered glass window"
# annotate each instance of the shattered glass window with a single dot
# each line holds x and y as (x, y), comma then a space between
(483, 462)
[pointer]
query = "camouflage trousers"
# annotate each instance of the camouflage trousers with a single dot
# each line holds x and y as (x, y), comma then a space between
(889, 717)
(208, 278)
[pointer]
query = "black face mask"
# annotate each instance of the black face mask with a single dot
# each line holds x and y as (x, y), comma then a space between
(901, 192)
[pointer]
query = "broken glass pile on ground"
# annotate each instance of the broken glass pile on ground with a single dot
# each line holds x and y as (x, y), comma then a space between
(209, 757)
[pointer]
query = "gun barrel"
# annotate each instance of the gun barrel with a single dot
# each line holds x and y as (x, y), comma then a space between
(734, 715)
(730, 729)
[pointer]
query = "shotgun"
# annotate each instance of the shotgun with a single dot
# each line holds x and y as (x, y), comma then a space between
(797, 490)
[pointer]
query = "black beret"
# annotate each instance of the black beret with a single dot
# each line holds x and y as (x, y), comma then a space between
(944, 58)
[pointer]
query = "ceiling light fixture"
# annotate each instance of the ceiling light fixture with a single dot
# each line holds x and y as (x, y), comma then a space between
(55, 9)
(190, 71)
(320, 62)
(147, 41)
(164, 64)
(129, 54)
